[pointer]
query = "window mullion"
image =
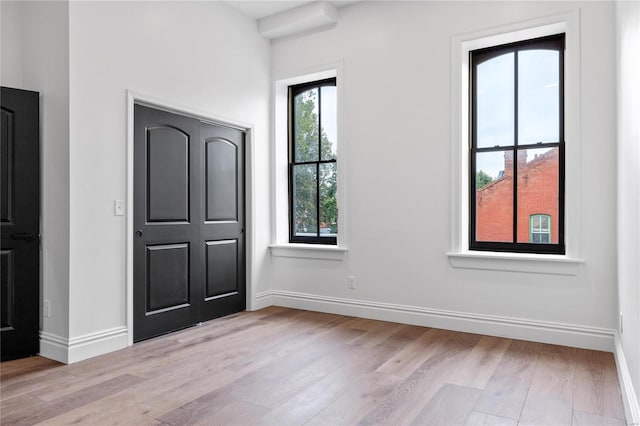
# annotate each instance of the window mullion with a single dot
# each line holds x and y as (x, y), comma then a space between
(317, 199)
(515, 146)
(292, 147)
(319, 159)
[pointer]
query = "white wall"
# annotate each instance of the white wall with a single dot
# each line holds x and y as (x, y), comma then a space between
(397, 112)
(203, 55)
(35, 56)
(11, 44)
(628, 90)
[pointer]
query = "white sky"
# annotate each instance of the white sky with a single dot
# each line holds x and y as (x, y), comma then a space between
(329, 114)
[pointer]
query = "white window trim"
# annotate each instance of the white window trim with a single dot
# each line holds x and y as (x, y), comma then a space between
(308, 251)
(459, 255)
(280, 246)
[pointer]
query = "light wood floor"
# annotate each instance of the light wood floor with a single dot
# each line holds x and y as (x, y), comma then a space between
(282, 366)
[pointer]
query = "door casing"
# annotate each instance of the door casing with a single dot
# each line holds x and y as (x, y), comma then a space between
(176, 108)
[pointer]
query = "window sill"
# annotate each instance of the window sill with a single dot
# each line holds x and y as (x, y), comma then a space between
(308, 251)
(516, 262)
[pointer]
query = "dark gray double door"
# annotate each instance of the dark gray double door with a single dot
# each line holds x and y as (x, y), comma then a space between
(189, 245)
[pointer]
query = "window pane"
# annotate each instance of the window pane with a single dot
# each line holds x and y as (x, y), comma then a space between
(538, 192)
(329, 124)
(328, 204)
(494, 196)
(495, 102)
(304, 200)
(535, 223)
(538, 96)
(544, 223)
(306, 126)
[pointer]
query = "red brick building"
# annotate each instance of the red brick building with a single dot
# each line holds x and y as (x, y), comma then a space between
(537, 201)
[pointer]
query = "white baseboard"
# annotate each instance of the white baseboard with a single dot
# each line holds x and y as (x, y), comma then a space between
(79, 348)
(629, 395)
(491, 325)
(262, 300)
(54, 347)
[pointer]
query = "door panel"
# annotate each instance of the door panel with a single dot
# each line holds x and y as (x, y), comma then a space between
(222, 268)
(221, 167)
(189, 256)
(6, 165)
(167, 174)
(7, 288)
(167, 277)
(20, 223)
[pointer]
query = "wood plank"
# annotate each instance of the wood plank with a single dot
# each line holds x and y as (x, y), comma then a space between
(476, 418)
(612, 394)
(550, 396)
(290, 342)
(414, 354)
(290, 376)
(410, 396)
(217, 407)
(450, 406)
(378, 331)
(596, 391)
(144, 401)
(507, 389)
(35, 383)
(219, 411)
(358, 398)
(588, 386)
(476, 370)
(17, 406)
(52, 390)
(350, 363)
(581, 418)
(54, 408)
(234, 412)
(25, 369)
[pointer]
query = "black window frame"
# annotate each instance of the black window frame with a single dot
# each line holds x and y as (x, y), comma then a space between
(293, 91)
(553, 42)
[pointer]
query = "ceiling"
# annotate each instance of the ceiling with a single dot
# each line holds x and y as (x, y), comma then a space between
(258, 9)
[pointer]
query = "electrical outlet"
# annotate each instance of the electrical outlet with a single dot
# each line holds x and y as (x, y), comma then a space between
(351, 282)
(621, 324)
(46, 308)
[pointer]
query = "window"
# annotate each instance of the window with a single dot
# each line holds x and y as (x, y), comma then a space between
(540, 228)
(516, 151)
(313, 212)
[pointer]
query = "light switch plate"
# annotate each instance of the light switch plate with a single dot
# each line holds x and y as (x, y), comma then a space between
(118, 207)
